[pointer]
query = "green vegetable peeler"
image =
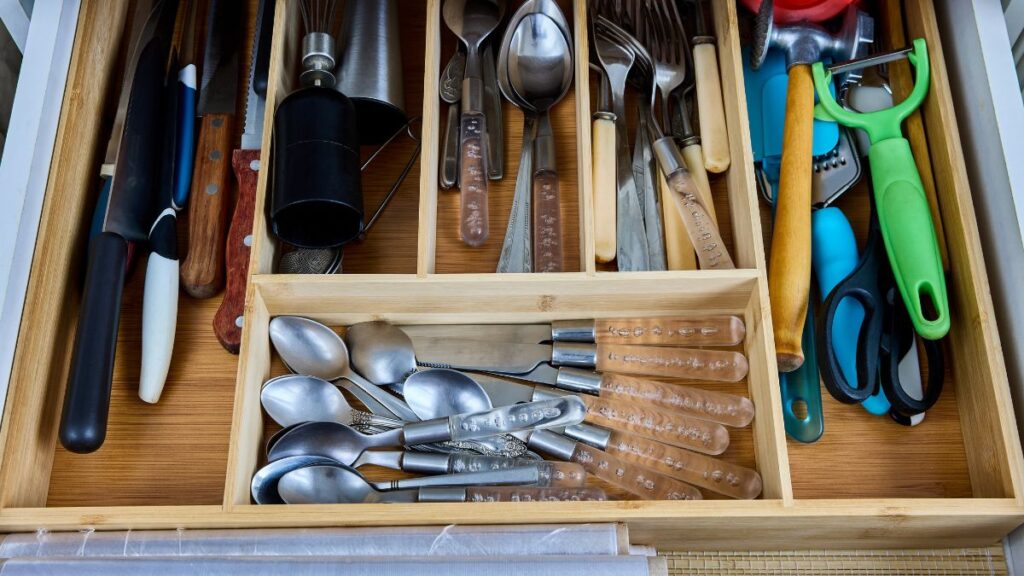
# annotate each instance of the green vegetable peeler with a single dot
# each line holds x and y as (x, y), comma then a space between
(903, 212)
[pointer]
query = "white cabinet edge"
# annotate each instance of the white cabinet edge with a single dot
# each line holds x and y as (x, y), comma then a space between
(25, 166)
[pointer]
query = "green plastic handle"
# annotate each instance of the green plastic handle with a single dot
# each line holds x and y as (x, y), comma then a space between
(903, 210)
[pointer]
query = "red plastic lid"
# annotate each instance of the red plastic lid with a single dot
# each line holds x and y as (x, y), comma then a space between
(787, 11)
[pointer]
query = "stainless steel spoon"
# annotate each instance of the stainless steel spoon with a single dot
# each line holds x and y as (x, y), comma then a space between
(473, 21)
(381, 353)
(263, 486)
(340, 484)
(540, 71)
(309, 347)
(296, 398)
(345, 445)
(440, 392)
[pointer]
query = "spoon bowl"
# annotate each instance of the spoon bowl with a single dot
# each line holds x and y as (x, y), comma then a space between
(299, 398)
(308, 347)
(324, 439)
(264, 485)
(327, 485)
(442, 392)
(381, 352)
(539, 62)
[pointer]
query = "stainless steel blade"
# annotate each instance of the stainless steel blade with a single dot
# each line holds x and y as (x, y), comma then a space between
(520, 333)
(252, 133)
(480, 356)
(503, 392)
(134, 188)
(218, 91)
(544, 373)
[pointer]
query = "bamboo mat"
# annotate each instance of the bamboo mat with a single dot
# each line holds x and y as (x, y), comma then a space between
(965, 561)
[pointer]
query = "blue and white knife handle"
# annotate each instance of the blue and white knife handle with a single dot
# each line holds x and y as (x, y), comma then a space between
(186, 136)
(833, 257)
(159, 307)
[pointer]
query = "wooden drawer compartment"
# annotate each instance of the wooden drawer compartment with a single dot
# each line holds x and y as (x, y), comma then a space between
(955, 480)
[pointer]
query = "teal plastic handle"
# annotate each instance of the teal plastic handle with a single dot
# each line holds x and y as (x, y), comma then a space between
(909, 234)
(802, 385)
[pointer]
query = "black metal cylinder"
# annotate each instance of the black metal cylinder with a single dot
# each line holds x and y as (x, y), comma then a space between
(317, 198)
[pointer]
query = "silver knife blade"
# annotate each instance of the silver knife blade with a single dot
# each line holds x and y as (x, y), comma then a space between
(508, 357)
(133, 189)
(218, 91)
(521, 333)
(502, 392)
(252, 132)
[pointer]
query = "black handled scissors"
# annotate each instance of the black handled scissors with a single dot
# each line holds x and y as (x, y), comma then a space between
(886, 335)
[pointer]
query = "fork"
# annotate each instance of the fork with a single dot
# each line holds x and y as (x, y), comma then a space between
(679, 186)
(668, 12)
(631, 244)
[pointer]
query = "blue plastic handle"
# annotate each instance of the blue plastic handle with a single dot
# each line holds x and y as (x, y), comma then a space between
(833, 257)
(186, 136)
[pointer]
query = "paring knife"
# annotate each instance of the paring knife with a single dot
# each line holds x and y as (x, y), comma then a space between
(514, 358)
(227, 322)
(135, 153)
(646, 421)
(728, 409)
(202, 273)
(664, 331)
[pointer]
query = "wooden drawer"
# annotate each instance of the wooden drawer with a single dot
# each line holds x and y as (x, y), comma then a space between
(954, 480)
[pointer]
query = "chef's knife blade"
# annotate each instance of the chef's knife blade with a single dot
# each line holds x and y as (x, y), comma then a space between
(202, 273)
(227, 323)
(130, 211)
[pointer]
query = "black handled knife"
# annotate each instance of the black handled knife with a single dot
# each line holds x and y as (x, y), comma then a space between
(135, 154)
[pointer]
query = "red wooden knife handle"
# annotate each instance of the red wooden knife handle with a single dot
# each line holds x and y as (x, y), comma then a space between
(227, 323)
(202, 272)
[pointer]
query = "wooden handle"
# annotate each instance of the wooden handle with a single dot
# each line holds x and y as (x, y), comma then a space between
(547, 223)
(227, 322)
(695, 364)
(694, 157)
(710, 108)
(202, 272)
(637, 480)
(704, 236)
(690, 467)
(901, 78)
(605, 188)
(678, 248)
(670, 331)
(727, 409)
(527, 494)
(473, 178)
(660, 425)
(789, 268)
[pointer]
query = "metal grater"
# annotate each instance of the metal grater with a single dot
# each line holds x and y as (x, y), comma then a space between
(836, 171)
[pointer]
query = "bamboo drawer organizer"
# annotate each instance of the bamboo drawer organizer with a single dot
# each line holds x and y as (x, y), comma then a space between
(957, 479)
